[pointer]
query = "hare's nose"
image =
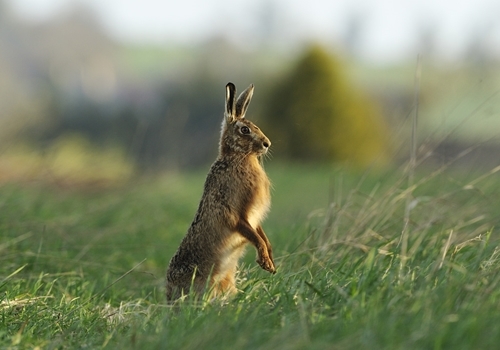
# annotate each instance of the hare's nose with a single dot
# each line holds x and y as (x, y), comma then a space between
(266, 144)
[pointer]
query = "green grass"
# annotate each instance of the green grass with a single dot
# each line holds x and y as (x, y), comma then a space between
(86, 269)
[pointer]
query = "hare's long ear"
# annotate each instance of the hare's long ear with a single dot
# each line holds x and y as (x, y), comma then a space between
(230, 105)
(243, 102)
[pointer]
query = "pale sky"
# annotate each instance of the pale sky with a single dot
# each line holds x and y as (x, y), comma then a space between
(389, 32)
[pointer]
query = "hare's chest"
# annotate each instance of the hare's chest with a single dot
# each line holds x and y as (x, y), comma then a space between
(259, 206)
(232, 250)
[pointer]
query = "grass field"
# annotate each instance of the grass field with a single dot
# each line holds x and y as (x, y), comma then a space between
(84, 268)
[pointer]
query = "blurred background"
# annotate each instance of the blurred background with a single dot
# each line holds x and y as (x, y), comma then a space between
(100, 91)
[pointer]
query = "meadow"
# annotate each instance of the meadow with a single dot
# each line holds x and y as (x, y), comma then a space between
(365, 260)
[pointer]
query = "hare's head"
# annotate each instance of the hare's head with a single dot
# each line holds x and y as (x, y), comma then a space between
(240, 136)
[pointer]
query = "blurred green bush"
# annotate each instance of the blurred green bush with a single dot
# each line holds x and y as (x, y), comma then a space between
(315, 114)
(71, 160)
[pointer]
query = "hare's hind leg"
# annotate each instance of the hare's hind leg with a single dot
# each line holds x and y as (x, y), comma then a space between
(183, 282)
(173, 292)
(226, 285)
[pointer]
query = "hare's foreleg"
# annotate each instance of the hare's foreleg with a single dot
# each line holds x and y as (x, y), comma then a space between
(264, 260)
(262, 234)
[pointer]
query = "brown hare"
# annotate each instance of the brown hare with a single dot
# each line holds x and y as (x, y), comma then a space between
(235, 200)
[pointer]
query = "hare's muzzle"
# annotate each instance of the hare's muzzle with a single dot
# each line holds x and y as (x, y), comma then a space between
(265, 144)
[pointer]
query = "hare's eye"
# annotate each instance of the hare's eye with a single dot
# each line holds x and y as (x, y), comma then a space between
(245, 130)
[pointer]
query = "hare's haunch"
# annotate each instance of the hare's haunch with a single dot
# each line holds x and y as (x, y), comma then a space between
(234, 202)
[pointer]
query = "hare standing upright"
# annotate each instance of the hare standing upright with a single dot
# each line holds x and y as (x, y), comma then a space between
(234, 202)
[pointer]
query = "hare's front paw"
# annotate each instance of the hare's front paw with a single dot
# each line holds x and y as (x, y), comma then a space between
(267, 264)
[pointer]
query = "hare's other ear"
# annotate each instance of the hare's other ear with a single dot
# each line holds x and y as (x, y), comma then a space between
(243, 102)
(230, 108)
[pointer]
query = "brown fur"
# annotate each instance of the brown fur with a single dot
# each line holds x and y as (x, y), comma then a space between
(235, 200)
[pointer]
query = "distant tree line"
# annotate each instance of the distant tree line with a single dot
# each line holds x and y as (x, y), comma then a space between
(176, 128)
(312, 113)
